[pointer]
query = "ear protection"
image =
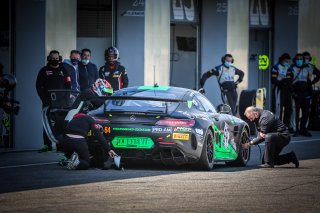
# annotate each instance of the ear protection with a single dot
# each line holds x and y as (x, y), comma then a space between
(224, 58)
(54, 51)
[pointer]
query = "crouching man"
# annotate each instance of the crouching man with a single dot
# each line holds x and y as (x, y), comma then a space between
(275, 134)
(75, 144)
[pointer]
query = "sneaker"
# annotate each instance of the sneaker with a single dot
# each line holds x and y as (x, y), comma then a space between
(45, 148)
(74, 161)
(266, 165)
(294, 159)
(63, 161)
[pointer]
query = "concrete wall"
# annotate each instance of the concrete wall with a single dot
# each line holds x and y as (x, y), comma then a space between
(130, 40)
(213, 42)
(285, 28)
(309, 28)
(29, 58)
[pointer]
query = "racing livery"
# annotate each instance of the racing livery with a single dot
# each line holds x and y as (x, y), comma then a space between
(172, 125)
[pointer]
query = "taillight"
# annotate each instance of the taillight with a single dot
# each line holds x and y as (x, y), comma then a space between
(176, 122)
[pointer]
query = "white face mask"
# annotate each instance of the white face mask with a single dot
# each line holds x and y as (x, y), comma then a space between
(85, 61)
(227, 63)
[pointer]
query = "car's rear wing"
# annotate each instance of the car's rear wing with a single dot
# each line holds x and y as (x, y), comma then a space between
(145, 98)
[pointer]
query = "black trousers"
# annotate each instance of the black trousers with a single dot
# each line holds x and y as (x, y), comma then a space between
(283, 104)
(275, 142)
(80, 146)
(232, 98)
(303, 104)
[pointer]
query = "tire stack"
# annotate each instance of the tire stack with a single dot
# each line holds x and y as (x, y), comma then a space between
(247, 98)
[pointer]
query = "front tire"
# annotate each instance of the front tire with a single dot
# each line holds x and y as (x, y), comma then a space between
(206, 160)
(243, 154)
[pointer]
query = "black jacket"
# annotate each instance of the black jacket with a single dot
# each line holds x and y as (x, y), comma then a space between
(50, 78)
(81, 124)
(88, 74)
(266, 123)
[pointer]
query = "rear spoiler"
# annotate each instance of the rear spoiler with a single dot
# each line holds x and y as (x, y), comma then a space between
(145, 98)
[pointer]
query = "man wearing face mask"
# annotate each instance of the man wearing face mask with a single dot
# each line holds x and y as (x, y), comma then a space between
(88, 71)
(301, 95)
(281, 79)
(71, 65)
(113, 71)
(50, 77)
(225, 74)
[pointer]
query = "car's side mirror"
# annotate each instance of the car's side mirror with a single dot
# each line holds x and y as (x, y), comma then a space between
(224, 109)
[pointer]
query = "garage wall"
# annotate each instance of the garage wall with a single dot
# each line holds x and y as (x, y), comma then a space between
(213, 43)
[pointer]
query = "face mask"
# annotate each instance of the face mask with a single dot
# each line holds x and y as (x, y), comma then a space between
(286, 64)
(227, 63)
(299, 62)
(54, 62)
(306, 61)
(85, 61)
(74, 61)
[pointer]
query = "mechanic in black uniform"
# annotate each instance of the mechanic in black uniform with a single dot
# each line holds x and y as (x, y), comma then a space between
(281, 79)
(113, 71)
(75, 145)
(225, 74)
(52, 76)
(302, 78)
(275, 134)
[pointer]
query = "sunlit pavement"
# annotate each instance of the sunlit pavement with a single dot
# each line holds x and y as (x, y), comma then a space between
(33, 182)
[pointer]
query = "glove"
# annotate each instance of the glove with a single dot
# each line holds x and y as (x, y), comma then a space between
(202, 91)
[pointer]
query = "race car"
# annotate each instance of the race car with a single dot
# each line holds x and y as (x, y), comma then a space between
(172, 125)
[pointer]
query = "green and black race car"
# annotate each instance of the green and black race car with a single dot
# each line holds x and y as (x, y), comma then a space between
(172, 125)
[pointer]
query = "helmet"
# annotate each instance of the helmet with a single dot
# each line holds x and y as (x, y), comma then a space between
(102, 87)
(8, 81)
(111, 51)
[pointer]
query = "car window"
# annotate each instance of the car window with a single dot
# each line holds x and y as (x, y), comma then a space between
(206, 104)
(197, 105)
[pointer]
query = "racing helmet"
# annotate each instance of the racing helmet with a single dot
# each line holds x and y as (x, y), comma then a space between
(101, 87)
(111, 54)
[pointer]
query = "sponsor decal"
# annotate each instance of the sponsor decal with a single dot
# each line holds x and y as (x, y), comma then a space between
(49, 72)
(182, 129)
(106, 74)
(137, 129)
(180, 136)
(199, 131)
(226, 135)
(161, 129)
(132, 142)
(132, 118)
(107, 130)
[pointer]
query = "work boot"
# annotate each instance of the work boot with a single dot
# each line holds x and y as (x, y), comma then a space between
(296, 134)
(45, 148)
(294, 159)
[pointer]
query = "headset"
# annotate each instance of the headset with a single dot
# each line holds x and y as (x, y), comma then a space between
(53, 52)
(224, 58)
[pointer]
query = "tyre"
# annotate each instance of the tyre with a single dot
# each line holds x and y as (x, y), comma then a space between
(243, 154)
(206, 160)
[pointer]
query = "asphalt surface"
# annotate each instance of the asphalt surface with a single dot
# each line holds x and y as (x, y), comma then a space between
(33, 182)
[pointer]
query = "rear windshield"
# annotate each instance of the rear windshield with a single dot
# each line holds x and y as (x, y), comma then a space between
(143, 105)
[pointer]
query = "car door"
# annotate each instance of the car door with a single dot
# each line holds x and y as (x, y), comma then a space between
(222, 129)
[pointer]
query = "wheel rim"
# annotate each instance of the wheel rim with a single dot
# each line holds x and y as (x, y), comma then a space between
(210, 149)
(245, 152)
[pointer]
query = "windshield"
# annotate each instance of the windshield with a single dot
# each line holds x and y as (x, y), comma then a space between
(143, 105)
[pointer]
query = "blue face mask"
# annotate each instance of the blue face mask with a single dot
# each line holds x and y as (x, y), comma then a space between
(299, 62)
(74, 61)
(286, 64)
(227, 63)
(85, 61)
(306, 61)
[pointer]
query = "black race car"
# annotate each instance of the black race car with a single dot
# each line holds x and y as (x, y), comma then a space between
(172, 125)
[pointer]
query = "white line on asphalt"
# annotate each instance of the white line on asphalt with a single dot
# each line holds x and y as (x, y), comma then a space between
(25, 165)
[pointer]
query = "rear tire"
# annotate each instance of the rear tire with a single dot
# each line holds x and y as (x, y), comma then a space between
(206, 160)
(243, 154)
